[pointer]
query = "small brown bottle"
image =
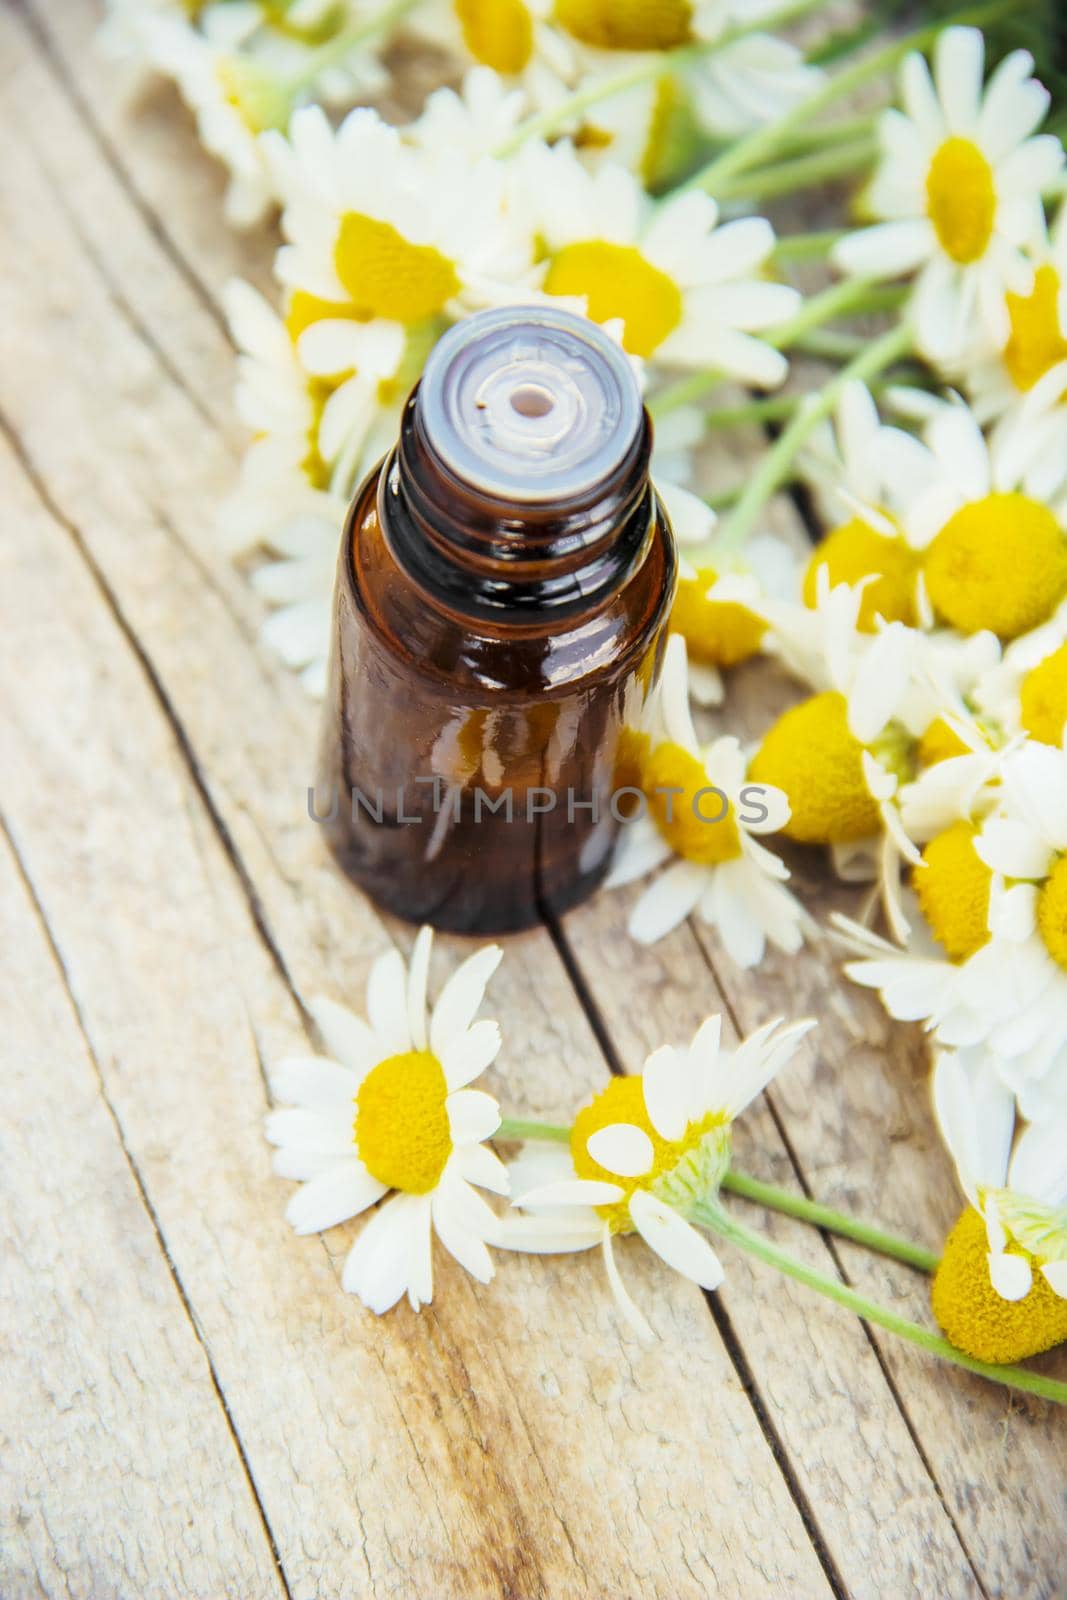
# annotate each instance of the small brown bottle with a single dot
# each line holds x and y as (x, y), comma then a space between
(503, 588)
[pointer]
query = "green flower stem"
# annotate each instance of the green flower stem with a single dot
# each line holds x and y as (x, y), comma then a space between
(650, 66)
(773, 409)
(831, 344)
(516, 1128)
(854, 296)
(758, 147)
(347, 40)
(774, 467)
(808, 246)
(712, 1216)
(844, 131)
(820, 1216)
(764, 1194)
(802, 172)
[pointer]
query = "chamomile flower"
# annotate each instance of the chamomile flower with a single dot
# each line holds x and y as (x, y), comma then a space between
(703, 816)
(280, 401)
(840, 754)
(473, 121)
(515, 39)
(297, 582)
(1026, 691)
(644, 1152)
(379, 228)
(719, 609)
(988, 517)
(997, 376)
(1000, 1292)
(857, 467)
(921, 982)
(731, 87)
(388, 1111)
(958, 191)
(1025, 843)
(234, 99)
(687, 292)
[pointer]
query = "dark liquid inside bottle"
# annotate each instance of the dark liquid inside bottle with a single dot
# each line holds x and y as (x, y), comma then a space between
(503, 587)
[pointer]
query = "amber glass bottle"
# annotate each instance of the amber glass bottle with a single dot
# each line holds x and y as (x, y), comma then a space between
(503, 588)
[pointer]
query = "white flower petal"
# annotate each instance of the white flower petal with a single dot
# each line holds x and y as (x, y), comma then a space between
(465, 1244)
(461, 996)
(637, 1321)
(468, 1054)
(325, 1133)
(480, 1165)
(570, 1192)
(346, 1036)
(342, 1191)
(473, 1115)
(313, 1081)
(666, 1091)
(1010, 1275)
(667, 901)
(621, 1148)
(1055, 1273)
(387, 1007)
(550, 1236)
(418, 971)
(377, 1266)
(675, 1241)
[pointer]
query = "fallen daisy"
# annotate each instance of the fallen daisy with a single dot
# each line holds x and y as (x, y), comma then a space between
(700, 813)
(388, 1110)
(644, 1152)
(1000, 1292)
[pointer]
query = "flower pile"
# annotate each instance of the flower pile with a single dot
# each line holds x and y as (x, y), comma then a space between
(617, 158)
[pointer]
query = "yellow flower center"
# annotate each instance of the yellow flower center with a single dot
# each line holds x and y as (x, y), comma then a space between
(961, 200)
(617, 281)
(401, 1127)
(855, 551)
(689, 1167)
(1036, 341)
(972, 1313)
(718, 633)
(952, 888)
(1043, 698)
(694, 818)
(388, 276)
(811, 754)
(631, 754)
(1052, 912)
(998, 563)
(940, 743)
(498, 33)
(626, 24)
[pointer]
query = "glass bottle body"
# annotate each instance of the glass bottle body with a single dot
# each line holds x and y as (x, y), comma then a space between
(471, 769)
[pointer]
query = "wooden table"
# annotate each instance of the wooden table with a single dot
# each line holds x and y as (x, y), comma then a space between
(191, 1407)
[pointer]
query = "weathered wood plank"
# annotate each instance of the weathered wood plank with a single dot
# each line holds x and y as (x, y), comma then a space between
(120, 1473)
(489, 1394)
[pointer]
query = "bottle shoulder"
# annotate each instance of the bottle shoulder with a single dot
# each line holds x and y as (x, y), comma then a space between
(538, 652)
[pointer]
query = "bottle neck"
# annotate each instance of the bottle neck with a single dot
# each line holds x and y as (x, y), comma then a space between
(510, 562)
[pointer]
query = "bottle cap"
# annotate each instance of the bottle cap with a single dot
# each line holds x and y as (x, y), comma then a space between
(529, 403)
